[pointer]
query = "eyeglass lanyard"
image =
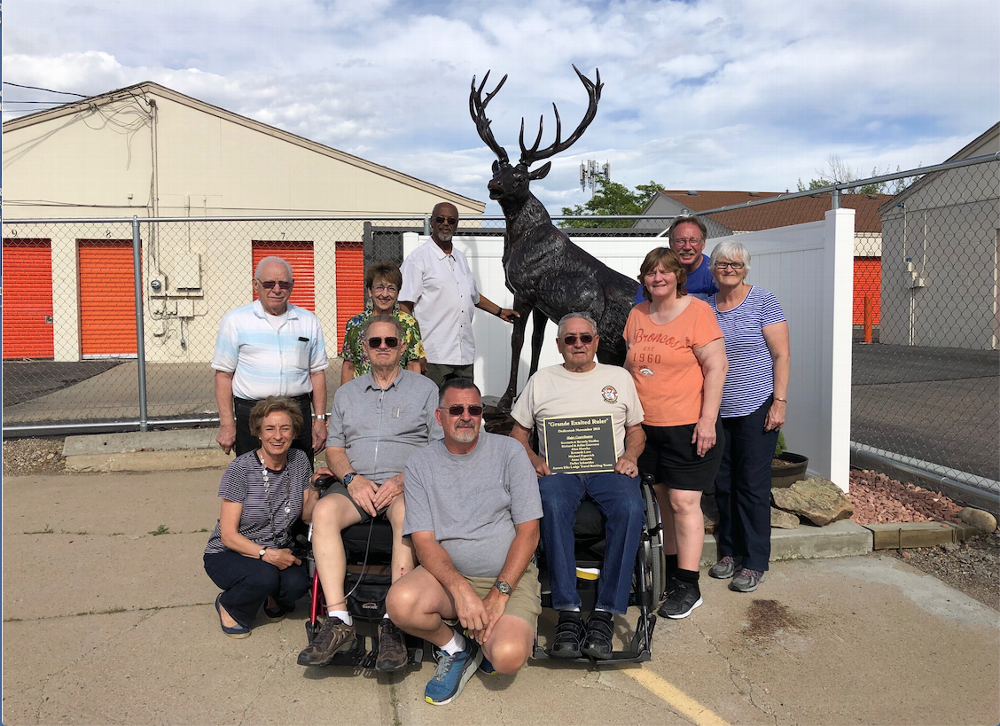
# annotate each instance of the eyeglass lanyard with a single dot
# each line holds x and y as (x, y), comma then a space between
(267, 497)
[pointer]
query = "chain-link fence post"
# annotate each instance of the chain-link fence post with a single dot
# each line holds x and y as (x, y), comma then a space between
(140, 333)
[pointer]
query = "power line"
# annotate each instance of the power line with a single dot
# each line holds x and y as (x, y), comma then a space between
(47, 90)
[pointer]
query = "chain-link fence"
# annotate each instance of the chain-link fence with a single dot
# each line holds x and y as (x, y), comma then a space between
(925, 381)
(926, 367)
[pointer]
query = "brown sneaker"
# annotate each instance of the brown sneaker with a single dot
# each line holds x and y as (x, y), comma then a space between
(335, 636)
(392, 654)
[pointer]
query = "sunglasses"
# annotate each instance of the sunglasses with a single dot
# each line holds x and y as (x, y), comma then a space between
(450, 220)
(457, 410)
(269, 284)
(585, 338)
(376, 342)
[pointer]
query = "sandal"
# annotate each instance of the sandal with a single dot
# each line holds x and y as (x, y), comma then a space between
(238, 632)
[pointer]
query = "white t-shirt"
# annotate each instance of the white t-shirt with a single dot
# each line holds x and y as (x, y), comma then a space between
(555, 391)
(444, 297)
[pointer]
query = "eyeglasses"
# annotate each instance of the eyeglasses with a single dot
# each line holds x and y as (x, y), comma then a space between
(688, 240)
(450, 220)
(585, 338)
(391, 289)
(269, 284)
(458, 409)
(376, 342)
(734, 265)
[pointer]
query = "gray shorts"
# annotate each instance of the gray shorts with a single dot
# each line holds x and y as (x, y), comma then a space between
(339, 488)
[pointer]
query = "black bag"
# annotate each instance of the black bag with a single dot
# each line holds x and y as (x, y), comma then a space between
(368, 600)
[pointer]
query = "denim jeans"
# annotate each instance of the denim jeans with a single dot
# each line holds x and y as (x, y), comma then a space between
(743, 489)
(248, 582)
(620, 500)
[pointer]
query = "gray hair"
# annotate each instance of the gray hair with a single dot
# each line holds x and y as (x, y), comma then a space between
(581, 314)
(391, 319)
(732, 251)
(270, 260)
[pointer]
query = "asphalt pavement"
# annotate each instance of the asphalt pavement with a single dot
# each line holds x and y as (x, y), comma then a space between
(108, 619)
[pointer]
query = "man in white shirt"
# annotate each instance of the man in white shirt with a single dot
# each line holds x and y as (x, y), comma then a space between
(440, 292)
(270, 348)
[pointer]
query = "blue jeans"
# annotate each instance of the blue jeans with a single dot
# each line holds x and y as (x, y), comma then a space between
(743, 489)
(248, 582)
(619, 499)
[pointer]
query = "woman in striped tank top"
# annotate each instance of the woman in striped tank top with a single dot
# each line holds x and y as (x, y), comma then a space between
(752, 412)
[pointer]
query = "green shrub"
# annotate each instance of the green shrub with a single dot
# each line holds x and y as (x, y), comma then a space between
(781, 448)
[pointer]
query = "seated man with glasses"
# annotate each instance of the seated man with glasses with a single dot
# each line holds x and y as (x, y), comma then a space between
(378, 421)
(270, 348)
(440, 292)
(582, 388)
(472, 511)
(382, 281)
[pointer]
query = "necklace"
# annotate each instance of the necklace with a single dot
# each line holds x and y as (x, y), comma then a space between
(286, 500)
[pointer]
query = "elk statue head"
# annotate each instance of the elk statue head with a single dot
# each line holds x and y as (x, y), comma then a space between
(509, 185)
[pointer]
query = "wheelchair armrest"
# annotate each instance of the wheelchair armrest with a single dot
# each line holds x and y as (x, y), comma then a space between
(324, 482)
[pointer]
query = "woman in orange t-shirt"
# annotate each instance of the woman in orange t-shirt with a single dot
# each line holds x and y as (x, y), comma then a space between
(677, 357)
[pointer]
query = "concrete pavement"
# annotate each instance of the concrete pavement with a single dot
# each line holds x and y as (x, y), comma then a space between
(105, 622)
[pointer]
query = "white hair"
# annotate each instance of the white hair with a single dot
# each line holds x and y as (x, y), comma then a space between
(582, 314)
(731, 251)
(270, 260)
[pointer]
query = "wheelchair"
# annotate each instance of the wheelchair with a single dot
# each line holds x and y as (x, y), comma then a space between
(647, 576)
(368, 547)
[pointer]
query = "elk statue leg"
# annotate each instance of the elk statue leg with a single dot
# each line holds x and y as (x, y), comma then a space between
(516, 343)
(538, 322)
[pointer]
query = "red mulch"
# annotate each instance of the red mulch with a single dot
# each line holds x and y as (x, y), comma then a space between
(878, 499)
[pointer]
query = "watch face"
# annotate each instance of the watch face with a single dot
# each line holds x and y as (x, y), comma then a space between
(503, 587)
(348, 478)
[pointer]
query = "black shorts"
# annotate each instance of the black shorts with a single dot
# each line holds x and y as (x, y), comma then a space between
(672, 458)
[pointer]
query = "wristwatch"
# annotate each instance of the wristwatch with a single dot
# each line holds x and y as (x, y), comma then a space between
(349, 477)
(260, 555)
(321, 416)
(502, 586)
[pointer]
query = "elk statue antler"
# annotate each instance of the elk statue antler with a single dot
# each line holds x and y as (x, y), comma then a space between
(530, 156)
(477, 109)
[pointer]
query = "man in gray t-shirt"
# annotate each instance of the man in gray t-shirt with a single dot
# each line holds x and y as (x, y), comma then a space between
(472, 511)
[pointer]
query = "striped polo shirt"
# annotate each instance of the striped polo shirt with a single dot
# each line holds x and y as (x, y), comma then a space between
(268, 362)
(750, 379)
(243, 482)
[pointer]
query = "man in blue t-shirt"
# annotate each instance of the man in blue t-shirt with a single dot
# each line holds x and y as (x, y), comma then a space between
(687, 239)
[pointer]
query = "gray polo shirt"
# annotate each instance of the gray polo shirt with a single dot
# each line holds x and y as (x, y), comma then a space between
(379, 428)
(472, 501)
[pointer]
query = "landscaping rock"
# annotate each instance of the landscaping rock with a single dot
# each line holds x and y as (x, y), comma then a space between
(983, 521)
(818, 500)
(783, 520)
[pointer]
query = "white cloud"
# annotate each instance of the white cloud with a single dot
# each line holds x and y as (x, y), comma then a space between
(704, 94)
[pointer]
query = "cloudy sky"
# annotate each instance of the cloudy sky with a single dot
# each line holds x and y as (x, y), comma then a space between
(707, 94)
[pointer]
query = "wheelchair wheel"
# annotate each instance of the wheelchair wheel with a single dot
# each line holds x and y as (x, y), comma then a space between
(653, 546)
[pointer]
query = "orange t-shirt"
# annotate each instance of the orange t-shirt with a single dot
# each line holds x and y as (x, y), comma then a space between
(661, 359)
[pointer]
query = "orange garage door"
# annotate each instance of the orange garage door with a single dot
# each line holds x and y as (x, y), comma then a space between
(107, 298)
(867, 283)
(350, 284)
(27, 309)
(300, 256)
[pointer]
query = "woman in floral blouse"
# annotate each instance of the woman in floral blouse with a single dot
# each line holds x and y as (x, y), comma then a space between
(382, 280)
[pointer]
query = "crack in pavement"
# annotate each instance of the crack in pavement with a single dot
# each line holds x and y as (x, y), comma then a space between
(275, 661)
(735, 673)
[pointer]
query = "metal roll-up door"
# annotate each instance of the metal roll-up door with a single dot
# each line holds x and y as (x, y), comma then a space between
(107, 298)
(300, 256)
(350, 284)
(27, 305)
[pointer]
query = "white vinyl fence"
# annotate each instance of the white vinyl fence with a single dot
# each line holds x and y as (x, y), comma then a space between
(809, 267)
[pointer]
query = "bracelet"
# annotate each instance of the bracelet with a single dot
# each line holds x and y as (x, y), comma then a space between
(783, 400)
(499, 312)
(321, 416)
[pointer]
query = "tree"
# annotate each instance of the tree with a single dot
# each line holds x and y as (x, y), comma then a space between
(611, 198)
(839, 171)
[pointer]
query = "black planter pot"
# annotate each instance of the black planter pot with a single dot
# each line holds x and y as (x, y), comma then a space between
(783, 477)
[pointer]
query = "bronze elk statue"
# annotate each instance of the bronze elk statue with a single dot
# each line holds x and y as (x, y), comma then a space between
(548, 274)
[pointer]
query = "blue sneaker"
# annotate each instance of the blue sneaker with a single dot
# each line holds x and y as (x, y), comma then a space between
(486, 667)
(453, 672)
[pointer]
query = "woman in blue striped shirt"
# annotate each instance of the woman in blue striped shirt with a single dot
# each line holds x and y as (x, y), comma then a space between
(752, 412)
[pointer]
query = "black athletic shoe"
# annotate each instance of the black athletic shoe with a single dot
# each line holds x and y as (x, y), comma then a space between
(569, 636)
(599, 633)
(684, 598)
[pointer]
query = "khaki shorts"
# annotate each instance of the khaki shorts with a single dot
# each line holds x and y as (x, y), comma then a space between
(525, 601)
